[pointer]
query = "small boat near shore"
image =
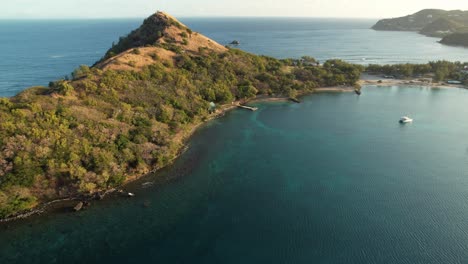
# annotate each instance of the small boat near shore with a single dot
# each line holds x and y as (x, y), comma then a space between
(405, 119)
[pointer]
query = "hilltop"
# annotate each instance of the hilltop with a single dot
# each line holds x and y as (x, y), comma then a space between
(430, 22)
(131, 112)
(160, 35)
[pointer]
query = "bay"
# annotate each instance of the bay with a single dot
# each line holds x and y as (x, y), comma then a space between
(335, 179)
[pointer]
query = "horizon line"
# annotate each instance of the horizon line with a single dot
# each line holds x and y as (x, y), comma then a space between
(178, 17)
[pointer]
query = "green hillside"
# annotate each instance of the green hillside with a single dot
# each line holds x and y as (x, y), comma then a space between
(430, 22)
(456, 39)
(132, 112)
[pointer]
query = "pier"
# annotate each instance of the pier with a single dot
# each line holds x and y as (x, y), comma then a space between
(247, 107)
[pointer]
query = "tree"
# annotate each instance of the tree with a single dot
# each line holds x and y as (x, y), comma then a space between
(247, 91)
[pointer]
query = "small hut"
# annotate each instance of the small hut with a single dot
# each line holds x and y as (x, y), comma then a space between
(212, 107)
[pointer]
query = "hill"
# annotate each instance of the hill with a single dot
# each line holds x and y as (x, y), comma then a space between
(160, 34)
(441, 27)
(429, 22)
(132, 111)
(414, 22)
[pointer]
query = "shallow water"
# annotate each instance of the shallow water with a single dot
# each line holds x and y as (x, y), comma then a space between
(334, 179)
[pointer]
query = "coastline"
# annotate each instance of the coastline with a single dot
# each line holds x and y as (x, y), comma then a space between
(377, 80)
(183, 137)
(335, 89)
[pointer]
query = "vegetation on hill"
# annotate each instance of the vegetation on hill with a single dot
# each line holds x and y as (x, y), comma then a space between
(431, 22)
(152, 30)
(110, 124)
(441, 27)
(414, 22)
(456, 39)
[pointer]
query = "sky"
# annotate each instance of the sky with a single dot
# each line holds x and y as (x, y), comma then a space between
(21, 9)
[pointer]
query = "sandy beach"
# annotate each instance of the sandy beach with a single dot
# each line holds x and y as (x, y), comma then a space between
(378, 80)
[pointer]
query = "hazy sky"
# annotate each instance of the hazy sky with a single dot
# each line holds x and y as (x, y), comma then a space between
(288, 8)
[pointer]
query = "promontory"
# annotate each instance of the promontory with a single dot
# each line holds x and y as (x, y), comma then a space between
(132, 111)
(452, 26)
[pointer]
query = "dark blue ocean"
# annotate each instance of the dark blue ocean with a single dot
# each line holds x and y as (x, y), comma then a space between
(335, 179)
(36, 52)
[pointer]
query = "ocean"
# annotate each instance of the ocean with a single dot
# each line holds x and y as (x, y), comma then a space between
(37, 52)
(335, 179)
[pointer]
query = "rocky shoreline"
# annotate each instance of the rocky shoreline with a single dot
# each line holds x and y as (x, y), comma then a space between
(65, 202)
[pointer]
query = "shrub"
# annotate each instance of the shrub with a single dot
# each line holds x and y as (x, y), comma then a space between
(154, 56)
(81, 72)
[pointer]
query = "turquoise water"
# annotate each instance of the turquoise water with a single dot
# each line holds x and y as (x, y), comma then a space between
(37, 52)
(335, 179)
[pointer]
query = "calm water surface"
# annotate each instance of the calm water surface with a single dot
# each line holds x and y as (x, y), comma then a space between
(335, 179)
(37, 52)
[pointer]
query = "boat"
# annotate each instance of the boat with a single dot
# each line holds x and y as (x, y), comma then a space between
(405, 119)
(131, 194)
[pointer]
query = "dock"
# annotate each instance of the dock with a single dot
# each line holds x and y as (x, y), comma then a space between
(247, 107)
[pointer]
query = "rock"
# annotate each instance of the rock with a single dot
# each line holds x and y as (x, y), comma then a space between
(78, 207)
(99, 196)
(235, 42)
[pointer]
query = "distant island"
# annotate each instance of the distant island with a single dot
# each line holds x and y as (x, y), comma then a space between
(451, 26)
